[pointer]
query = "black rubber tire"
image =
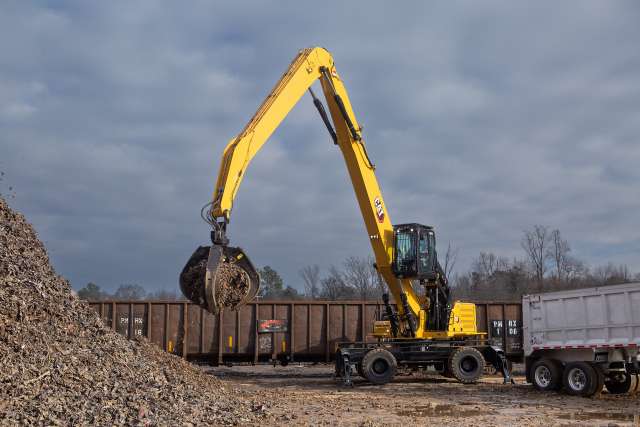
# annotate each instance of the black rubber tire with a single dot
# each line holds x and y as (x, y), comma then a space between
(598, 385)
(549, 377)
(621, 383)
(579, 379)
(379, 366)
(446, 372)
(466, 364)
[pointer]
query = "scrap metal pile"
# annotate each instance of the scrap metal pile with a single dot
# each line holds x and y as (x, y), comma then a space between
(60, 365)
(232, 283)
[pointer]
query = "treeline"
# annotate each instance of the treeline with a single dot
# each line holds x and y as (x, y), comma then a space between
(547, 265)
(127, 292)
(354, 279)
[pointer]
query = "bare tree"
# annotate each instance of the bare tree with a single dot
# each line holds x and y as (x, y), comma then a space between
(311, 277)
(610, 274)
(484, 265)
(574, 269)
(492, 277)
(488, 263)
(334, 287)
(535, 243)
(559, 253)
(357, 273)
(624, 273)
(450, 259)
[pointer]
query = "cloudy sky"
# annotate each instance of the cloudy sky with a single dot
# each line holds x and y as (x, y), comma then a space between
(483, 119)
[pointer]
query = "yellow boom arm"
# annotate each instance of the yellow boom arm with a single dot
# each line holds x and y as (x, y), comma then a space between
(311, 65)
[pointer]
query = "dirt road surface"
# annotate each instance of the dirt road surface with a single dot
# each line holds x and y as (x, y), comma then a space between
(301, 395)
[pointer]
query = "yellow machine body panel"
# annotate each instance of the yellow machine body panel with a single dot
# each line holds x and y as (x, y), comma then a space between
(382, 329)
(462, 323)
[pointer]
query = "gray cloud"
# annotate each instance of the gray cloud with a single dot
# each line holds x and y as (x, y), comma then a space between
(482, 119)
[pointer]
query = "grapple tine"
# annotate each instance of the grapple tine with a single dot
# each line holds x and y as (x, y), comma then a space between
(215, 255)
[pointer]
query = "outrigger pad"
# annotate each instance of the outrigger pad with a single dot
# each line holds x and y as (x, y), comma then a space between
(218, 277)
(497, 358)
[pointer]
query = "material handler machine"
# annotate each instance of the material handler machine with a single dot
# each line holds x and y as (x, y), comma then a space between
(421, 327)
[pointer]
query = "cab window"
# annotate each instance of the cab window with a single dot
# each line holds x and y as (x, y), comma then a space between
(423, 253)
(405, 250)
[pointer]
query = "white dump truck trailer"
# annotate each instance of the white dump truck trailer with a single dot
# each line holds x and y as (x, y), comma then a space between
(583, 339)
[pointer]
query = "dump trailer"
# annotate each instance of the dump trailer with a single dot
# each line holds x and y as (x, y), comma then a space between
(583, 339)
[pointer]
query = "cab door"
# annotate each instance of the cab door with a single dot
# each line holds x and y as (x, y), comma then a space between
(426, 254)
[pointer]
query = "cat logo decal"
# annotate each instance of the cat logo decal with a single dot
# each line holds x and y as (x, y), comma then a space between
(379, 210)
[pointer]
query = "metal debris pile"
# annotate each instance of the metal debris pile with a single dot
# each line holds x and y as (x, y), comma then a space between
(231, 282)
(60, 365)
(232, 285)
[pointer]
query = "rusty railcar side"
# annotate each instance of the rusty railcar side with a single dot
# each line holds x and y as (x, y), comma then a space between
(266, 331)
(502, 321)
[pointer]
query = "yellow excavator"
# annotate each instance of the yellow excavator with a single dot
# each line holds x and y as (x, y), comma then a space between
(421, 326)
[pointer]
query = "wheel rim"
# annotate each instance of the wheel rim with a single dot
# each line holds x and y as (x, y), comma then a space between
(543, 376)
(577, 379)
(380, 366)
(469, 364)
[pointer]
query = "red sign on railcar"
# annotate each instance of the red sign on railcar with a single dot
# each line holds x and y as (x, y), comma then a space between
(272, 325)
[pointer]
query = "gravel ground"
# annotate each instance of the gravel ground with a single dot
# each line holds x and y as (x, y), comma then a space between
(309, 395)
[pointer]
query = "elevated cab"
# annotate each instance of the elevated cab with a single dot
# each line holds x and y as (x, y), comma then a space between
(414, 252)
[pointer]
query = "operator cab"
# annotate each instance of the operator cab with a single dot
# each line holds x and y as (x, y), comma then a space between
(414, 252)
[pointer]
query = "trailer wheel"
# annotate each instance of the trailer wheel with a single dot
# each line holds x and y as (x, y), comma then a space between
(379, 366)
(621, 382)
(580, 379)
(599, 384)
(546, 375)
(466, 364)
